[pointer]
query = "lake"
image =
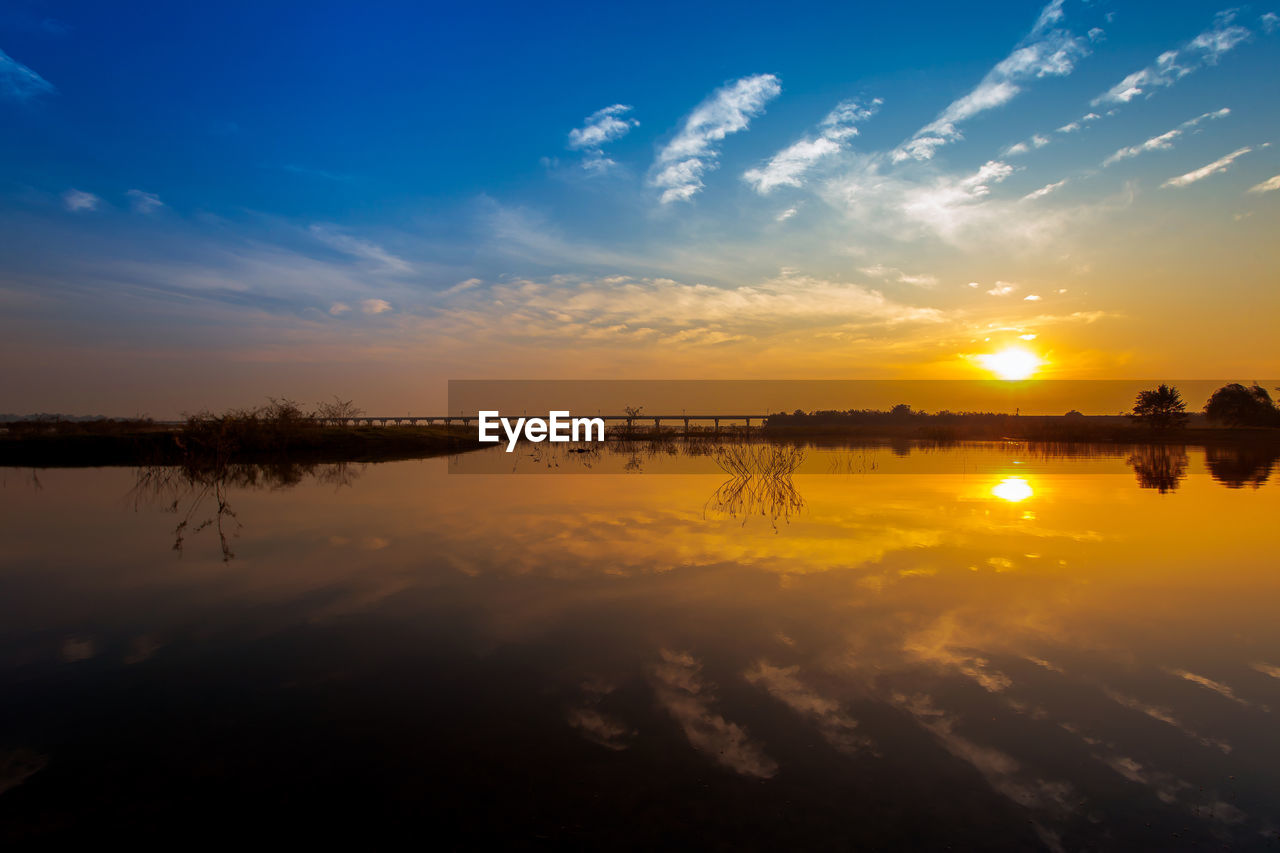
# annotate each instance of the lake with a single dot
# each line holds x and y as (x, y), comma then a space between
(978, 645)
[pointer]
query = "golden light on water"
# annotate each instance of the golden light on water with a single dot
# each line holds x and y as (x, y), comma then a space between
(1011, 363)
(1012, 489)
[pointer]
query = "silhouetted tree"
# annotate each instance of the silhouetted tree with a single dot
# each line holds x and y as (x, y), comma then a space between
(1159, 466)
(1160, 408)
(1237, 405)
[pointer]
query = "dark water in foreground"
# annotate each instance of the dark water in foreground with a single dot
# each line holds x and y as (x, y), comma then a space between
(973, 647)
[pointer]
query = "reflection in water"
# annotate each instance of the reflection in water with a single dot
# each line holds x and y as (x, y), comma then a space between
(1236, 467)
(914, 660)
(1012, 489)
(198, 495)
(1159, 466)
(760, 482)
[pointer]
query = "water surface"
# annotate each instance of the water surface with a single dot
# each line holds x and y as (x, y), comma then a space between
(983, 645)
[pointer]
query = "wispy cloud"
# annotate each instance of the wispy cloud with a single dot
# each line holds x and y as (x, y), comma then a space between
(601, 127)
(1164, 141)
(1270, 22)
(357, 248)
(836, 726)
(78, 201)
(1269, 185)
(1171, 66)
(19, 82)
(144, 202)
(1220, 165)
(680, 165)
(1044, 52)
(1036, 141)
(787, 168)
(1044, 190)
(375, 306)
(681, 689)
(893, 274)
(1078, 124)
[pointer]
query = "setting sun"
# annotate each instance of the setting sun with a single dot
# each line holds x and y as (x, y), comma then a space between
(1011, 363)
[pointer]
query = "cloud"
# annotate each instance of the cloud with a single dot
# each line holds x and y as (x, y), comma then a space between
(1209, 684)
(601, 127)
(1270, 22)
(786, 214)
(144, 202)
(788, 167)
(1044, 190)
(1172, 65)
(1220, 165)
(881, 271)
(19, 82)
(836, 727)
(680, 689)
(375, 306)
(1164, 141)
(1031, 297)
(1002, 288)
(1043, 53)
(1036, 141)
(337, 309)
(679, 167)
(79, 200)
(358, 248)
(468, 284)
(1270, 184)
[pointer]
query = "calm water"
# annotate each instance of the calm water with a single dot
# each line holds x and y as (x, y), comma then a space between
(981, 646)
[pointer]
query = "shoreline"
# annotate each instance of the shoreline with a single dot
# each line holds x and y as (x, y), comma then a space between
(155, 445)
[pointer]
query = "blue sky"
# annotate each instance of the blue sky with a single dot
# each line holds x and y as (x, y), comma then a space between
(208, 204)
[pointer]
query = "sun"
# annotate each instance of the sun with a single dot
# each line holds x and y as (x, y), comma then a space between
(1011, 363)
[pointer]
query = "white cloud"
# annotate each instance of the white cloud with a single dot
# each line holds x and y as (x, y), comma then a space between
(689, 699)
(1002, 288)
(1270, 21)
(468, 284)
(836, 726)
(144, 202)
(601, 127)
(892, 274)
(337, 309)
(375, 306)
(1270, 184)
(19, 82)
(679, 167)
(1164, 141)
(1042, 54)
(1036, 141)
(79, 200)
(786, 214)
(788, 167)
(357, 248)
(1220, 165)
(1044, 190)
(1172, 65)
(1031, 297)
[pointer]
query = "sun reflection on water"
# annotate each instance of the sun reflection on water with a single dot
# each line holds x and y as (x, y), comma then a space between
(1012, 489)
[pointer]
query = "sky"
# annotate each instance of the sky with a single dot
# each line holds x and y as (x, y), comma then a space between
(205, 205)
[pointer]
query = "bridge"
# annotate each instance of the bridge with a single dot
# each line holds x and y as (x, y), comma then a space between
(467, 420)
